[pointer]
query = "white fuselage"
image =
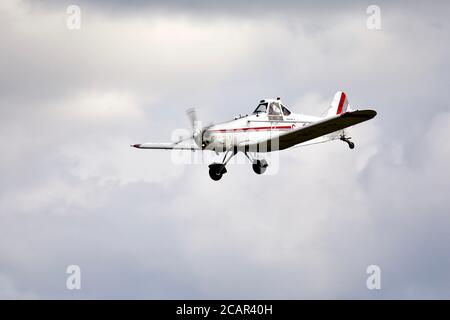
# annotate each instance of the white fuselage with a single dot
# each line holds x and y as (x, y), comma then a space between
(250, 129)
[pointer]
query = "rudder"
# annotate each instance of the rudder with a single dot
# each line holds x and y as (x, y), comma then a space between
(339, 104)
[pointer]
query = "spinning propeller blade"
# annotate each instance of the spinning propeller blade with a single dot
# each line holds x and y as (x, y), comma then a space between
(192, 115)
(197, 128)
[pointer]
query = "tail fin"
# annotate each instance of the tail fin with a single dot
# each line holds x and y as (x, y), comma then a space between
(339, 104)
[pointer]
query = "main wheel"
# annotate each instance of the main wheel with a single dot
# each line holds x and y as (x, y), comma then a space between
(259, 167)
(215, 174)
(216, 171)
(351, 145)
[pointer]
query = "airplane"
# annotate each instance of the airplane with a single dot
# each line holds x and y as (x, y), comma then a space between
(271, 127)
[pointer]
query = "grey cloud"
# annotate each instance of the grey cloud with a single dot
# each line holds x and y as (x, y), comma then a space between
(72, 192)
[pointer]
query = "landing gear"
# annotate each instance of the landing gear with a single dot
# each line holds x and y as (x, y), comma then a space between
(351, 145)
(217, 170)
(259, 166)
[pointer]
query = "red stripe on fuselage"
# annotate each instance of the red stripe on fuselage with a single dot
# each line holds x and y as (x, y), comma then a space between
(341, 103)
(251, 128)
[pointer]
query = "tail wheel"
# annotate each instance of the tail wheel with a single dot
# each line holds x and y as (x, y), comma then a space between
(260, 166)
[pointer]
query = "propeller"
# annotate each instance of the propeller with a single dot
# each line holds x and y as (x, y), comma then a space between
(192, 115)
(197, 128)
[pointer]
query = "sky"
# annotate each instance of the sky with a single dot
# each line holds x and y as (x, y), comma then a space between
(140, 225)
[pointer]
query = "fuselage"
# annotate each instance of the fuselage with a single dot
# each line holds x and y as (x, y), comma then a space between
(250, 129)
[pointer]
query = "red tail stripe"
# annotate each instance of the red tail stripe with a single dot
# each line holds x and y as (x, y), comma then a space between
(341, 103)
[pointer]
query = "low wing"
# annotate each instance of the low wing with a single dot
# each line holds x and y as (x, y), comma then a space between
(317, 129)
(165, 146)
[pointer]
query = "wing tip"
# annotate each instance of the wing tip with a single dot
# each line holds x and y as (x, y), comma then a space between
(371, 113)
(367, 114)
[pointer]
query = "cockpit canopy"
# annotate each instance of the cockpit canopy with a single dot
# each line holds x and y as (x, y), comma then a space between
(272, 108)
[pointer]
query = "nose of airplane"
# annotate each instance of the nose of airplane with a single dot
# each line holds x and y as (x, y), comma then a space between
(135, 145)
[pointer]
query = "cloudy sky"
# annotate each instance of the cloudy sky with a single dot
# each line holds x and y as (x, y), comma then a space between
(72, 191)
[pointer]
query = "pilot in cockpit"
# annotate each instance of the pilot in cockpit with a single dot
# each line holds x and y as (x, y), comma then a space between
(274, 109)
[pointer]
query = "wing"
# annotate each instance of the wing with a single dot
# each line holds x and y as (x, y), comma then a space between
(316, 129)
(165, 146)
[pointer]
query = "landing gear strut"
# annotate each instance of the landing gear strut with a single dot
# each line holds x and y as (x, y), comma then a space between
(351, 145)
(217, 170)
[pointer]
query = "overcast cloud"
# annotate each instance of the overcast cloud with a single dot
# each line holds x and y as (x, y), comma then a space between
(140, 226)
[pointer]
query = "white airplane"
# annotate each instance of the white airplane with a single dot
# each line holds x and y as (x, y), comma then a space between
(271, 127)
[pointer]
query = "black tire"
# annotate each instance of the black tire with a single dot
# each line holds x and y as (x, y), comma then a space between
(259, 167)
(351, 145)
(214, 174)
